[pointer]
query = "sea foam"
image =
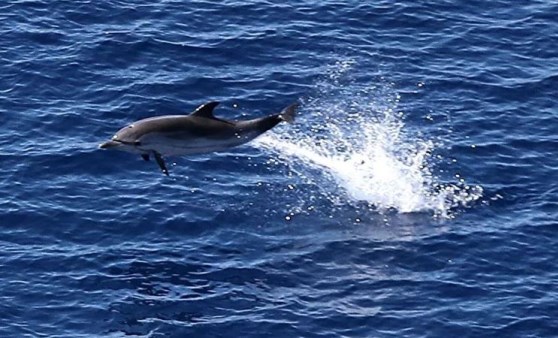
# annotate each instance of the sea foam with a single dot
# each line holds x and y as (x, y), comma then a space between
(353, 143)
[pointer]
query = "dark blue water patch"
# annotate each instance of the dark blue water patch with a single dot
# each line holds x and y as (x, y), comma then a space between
(233, 245)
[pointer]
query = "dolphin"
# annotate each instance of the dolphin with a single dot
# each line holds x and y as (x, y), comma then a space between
(196, 133)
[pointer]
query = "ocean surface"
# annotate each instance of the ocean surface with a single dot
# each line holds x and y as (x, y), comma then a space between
(415, 196)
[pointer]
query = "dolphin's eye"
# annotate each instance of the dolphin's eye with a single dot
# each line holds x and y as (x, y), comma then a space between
(137, 143)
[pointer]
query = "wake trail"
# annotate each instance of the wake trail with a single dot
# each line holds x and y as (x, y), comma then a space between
(353, 144)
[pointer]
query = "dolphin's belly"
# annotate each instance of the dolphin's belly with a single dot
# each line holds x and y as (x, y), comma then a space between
(172, 146)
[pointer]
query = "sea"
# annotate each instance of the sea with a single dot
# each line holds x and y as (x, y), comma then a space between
(416, 194)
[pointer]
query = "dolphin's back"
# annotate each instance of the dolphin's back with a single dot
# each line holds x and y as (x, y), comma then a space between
(184, 134)
(185, 124)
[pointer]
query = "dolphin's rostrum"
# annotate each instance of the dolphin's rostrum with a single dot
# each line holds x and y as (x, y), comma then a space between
(198, 132)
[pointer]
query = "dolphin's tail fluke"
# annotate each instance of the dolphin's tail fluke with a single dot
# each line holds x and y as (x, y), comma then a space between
(288, 114)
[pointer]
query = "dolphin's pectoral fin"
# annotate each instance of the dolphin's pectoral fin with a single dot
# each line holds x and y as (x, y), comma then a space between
(145, 157)
(161, 163)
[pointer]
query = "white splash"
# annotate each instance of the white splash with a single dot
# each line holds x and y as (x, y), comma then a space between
(353, 144)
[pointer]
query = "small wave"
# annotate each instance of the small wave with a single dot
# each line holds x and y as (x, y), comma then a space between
(353, 143)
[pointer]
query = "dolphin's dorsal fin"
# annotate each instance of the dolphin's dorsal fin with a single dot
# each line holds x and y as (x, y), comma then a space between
(206, 110)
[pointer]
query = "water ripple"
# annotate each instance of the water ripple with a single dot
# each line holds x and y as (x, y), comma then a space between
(416, 195)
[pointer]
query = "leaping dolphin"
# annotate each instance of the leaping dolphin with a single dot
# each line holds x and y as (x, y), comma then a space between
(198, 132)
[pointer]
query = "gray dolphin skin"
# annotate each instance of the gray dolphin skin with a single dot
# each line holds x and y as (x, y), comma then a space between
(196, 133)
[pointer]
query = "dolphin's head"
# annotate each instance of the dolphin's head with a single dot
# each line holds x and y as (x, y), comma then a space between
(125, 139)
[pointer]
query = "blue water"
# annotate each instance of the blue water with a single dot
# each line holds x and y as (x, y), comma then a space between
(416, 196)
